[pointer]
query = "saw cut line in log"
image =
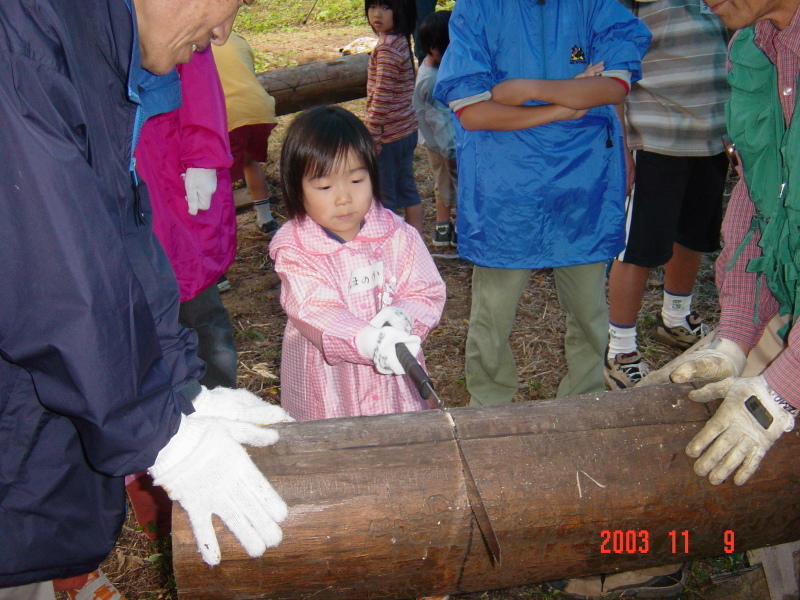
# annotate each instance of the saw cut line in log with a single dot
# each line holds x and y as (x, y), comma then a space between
(574, 487)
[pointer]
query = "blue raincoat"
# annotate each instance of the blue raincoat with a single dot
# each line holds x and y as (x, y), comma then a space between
(553, 195)
(94, 368)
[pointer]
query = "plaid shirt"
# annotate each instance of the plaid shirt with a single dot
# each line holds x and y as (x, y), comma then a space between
(742, 319)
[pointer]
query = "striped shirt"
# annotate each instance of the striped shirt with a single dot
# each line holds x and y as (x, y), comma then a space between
(390, 90)
(678, 107)
(739, 294)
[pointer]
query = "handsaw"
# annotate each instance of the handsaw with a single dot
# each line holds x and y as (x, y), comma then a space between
(425, 386)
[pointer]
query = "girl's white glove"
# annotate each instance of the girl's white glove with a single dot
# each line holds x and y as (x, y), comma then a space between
(378, 345)
(744, 427)
(206, 469)
(395, 317)
(719, 360)
(200, 186)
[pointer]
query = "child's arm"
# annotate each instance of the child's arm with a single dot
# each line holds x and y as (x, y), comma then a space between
(579, 93)
(420, 290)
(492, 115)
(514, 94)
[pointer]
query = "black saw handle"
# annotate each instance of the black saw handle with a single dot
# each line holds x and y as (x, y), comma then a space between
(414, 370)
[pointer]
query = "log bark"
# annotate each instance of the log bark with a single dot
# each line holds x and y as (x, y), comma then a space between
(312, 84)
(378, 506)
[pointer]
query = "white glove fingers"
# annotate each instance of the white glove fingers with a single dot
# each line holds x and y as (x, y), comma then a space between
(204, 534)
(749, 466)
(704, 437)
(717, 452)
(658, 377)
(730, 462)
(252, 435)
(235, 519)
(712, 391)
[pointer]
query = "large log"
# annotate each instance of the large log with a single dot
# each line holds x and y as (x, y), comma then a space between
(325, 82)
(378, 507)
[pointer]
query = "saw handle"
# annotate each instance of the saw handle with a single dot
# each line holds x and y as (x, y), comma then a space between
(414, 370)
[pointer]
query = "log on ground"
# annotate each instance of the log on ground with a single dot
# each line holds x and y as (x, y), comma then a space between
(576, 486)
(312, 84)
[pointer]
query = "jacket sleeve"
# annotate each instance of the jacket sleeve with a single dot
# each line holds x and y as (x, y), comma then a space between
(618, 38)
(203, 120)
(316, 308)
(101, 344)
(466, 68)
(421, 291)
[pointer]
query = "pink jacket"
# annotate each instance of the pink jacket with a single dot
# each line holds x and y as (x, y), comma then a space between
(330, 291)
(201, 247)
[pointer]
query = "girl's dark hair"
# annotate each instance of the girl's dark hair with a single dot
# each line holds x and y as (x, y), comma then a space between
(404, 13)
(434, 32)
(315, 142)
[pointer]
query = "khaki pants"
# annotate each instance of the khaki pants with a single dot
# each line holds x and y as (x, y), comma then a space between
(491, 372)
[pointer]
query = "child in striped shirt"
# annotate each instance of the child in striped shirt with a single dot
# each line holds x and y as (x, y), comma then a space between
(390, 116)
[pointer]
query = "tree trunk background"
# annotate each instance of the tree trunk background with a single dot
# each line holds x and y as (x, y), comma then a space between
(325, 82)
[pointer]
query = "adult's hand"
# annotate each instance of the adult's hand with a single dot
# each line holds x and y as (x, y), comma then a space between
(719, 360)
(746, 425)
(206, 469)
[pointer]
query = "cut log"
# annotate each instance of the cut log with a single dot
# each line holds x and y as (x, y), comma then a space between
(574, 487)
(312, 84)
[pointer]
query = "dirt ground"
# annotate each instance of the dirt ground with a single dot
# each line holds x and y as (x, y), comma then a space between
(142, 570)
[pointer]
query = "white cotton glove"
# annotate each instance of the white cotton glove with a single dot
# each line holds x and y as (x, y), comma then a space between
(200, 186)
(238, 405)
(378, 345)
(735, 436)
(393, 316)
(206, 469)
(719, 360)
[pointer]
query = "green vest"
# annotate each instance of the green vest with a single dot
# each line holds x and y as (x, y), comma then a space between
(769, 154)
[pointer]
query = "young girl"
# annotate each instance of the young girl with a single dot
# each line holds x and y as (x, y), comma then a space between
(390, 116)
(356, 280)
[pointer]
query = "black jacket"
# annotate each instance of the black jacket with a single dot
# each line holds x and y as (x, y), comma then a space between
(94, 367)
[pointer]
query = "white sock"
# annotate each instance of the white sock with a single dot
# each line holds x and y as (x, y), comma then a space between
(263, 211)
(621, 339)
(675, 308)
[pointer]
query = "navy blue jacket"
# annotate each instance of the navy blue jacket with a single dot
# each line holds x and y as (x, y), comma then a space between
(94, 367)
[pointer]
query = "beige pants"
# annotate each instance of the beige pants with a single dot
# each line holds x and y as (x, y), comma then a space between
(445, 179)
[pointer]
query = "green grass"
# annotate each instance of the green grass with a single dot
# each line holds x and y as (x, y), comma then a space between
(266, 16)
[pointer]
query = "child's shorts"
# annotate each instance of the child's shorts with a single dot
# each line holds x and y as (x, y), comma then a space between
(248, 139)
(395, 164)
(676, 199)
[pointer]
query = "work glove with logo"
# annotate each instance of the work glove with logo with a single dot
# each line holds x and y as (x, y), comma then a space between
(394, 317)
(719, 360)
(745, 426)
(378, 345)
(200, 186)
(206, 469)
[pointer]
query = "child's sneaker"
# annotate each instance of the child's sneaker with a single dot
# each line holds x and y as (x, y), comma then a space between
(681, 337)
(223, 285)
(626, 370)
(268, 228)
(454, 238)
(443, 234)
